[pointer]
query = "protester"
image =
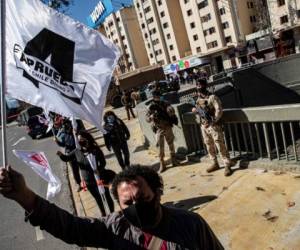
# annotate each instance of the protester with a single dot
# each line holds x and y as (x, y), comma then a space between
(162, 117)
(209, 108)
(128, 104)
(90, 157)
(142, 223)
(116, 137)
(65, 138)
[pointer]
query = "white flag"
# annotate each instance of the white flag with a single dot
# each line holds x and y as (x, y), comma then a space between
(40, 165)
(57, 63)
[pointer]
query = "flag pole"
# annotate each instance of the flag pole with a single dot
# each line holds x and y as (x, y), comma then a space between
(3, 81)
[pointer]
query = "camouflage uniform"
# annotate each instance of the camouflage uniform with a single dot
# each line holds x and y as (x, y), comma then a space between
(213, 134)
(162, 127)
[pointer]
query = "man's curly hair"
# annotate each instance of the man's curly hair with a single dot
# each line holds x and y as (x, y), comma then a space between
(152, 178)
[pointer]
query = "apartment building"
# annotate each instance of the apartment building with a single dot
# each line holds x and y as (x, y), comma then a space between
(163, 29)
(285, 20)
(217, 26)
(122, 28)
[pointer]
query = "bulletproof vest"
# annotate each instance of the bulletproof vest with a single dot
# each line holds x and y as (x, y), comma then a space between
(160, 112)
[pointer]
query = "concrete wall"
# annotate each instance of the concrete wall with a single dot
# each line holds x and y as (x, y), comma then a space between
(180, 141)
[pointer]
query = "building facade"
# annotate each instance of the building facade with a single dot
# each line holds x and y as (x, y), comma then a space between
(217, 26)
(285, 22)
(163, 29)
(122, 28)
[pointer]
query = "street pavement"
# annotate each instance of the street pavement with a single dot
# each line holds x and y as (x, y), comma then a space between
(258, 207)
(14, 232)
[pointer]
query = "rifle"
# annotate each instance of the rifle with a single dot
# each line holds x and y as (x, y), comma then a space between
(201, 108)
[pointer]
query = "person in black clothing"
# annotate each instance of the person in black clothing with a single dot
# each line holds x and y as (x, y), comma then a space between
(91, 162)
(65, 138)
(127, 101)
(116, 137)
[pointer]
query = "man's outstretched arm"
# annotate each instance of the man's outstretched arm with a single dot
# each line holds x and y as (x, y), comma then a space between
(56, 221)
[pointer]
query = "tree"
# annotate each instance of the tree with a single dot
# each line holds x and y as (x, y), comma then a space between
(61, 5)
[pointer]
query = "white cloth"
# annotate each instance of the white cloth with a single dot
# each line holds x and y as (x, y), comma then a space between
(38, 162)
(57, 63)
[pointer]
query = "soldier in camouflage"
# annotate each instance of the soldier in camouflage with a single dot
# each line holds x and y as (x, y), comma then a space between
(162, 116)
(209, 108)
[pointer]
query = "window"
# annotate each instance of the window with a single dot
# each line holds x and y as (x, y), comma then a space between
(147, 9)
(250, 5)
(209, 31)
(156, 41)
(162, 62)
(118, 19)
(189, 12)
(171, 47)
(202, 4)
(174, 58)
(151, 55)
(192, 25)
(186, 1)
(252, 19)
(146, 35)
(205, 18)
(150, 20)
(280, 2)
(158, 52)
(123, 37)
(198, 49)
(298, 13)
(125, 46)
(137, 5)
(153, 31)
(212, 45)
(143, 26)
(212, 30)
(159, 2)
(141, 15)
(168, 36)
(284, 19)
(162, 14)
(222, 11)
(225, 25)
(165, 25)
(148, 44)
(228, 39)
(195, 37)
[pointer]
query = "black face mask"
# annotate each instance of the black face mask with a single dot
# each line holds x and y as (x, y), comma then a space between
(142, 214)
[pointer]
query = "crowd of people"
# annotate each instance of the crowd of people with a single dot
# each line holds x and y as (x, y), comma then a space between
(143, 222)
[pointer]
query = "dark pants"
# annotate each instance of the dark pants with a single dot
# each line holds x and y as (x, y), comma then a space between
(75, 170)
(122, 153)
(129, 109)
(95, 193)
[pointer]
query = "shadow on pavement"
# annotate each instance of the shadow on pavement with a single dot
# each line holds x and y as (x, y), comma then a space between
(192, 203)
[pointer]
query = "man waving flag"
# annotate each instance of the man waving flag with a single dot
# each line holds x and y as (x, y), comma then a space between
(57, 63)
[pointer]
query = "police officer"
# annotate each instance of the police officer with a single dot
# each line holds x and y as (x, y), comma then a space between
(162, 117)
(209, 108)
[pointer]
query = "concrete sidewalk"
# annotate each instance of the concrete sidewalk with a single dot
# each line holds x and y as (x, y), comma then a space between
(252, 209)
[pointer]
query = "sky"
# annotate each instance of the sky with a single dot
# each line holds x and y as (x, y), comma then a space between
(80, 9)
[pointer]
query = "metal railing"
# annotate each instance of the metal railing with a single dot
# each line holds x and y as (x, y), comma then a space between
(271, 132)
